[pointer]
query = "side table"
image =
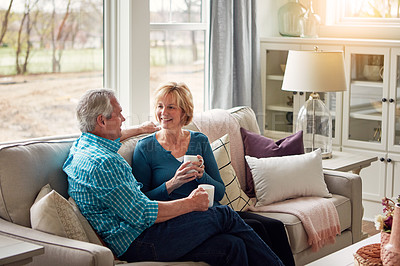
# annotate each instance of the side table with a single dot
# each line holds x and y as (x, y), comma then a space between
(346, 162)
(17, 252)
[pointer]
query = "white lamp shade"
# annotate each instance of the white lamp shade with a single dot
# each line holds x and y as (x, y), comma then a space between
(314, 71)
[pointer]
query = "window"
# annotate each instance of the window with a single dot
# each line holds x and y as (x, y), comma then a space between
(150, 42)
(50, 54)
(178, 38)
(372, 9)
(365, 12)
(374, 19)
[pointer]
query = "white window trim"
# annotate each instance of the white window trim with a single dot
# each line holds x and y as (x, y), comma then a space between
(127, 55)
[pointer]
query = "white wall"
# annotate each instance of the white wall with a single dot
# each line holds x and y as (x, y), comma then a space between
(267, 16)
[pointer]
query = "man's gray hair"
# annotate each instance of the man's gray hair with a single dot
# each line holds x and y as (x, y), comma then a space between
(93, 103)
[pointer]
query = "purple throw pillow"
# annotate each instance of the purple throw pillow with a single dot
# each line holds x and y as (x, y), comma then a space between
(256, 145)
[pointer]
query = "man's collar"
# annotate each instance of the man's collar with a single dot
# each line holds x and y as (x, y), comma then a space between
(112, 145)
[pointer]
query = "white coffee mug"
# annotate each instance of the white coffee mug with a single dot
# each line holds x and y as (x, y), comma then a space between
(191, 158)
(210, 191)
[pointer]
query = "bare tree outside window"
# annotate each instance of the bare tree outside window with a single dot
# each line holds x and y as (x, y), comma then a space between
(178, 45)
(51, 52)
(372, 8)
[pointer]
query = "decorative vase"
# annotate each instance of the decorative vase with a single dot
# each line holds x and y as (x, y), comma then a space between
(390, 254)
(289, 16)
(309, 23)
(385, 237)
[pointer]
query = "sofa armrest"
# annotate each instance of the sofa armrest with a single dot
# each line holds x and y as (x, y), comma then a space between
(348, 185)
(59, 250)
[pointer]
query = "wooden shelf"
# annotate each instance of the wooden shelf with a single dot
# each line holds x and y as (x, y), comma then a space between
(275, 77)
(373, 117)
(365, 83)
(279, 108)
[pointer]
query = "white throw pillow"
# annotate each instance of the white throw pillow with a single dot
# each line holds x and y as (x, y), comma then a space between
(234, 196)
(52, 213)
(281, 178)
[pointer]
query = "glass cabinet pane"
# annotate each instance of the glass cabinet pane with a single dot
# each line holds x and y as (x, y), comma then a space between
(279, 103)
(365, 121)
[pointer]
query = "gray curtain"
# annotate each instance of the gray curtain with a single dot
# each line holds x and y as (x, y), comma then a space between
(234, 56)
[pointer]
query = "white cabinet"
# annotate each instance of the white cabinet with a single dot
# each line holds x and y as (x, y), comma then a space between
(371, 119)
(282, 107)
(366, 117)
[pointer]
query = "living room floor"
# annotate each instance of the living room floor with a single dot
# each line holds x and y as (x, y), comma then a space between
(369, 228)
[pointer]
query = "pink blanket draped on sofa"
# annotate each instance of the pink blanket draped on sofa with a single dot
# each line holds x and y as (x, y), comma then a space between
(318, 216)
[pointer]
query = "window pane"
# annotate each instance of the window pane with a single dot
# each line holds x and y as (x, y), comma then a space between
(175, 11)
(178, 56)
(372, 8)
(58, 60)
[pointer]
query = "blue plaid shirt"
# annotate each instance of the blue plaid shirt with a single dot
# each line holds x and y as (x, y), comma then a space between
(108, 195)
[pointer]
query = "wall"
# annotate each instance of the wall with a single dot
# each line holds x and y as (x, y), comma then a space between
(267, 16)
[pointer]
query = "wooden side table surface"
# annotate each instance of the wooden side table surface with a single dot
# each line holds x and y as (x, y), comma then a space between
(17, 252)
(346, 162)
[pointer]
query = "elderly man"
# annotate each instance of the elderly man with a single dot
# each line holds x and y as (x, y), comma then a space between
(134, 227)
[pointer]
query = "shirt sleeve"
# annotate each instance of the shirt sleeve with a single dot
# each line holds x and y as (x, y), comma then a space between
(211, 174)
(142, 170)
(122, 194)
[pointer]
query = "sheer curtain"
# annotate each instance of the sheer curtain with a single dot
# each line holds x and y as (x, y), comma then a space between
(234, 56)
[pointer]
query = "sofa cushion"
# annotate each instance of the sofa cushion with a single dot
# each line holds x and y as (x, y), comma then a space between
(256, 145)
(22, 175)
(52, 213)
(246, 118)
(295, 230)
(234, 196)
(127, 148)
(280, 178)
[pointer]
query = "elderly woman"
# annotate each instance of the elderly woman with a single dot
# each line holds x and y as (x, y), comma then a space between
(158, 163)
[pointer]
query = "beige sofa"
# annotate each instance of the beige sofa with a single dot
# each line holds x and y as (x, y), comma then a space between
(27, 166)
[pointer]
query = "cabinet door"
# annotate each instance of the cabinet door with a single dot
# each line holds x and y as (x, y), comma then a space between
(279, 105)
(394, 102)
(373, 183)
(365, 103)
(373, 176)
(393, 175)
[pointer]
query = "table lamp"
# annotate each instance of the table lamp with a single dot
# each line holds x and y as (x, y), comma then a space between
(315, 71)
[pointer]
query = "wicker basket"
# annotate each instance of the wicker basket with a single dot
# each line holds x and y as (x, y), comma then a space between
(369, 255)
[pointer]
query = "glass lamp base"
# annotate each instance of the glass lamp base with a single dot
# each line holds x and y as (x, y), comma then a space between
(325, 154)
(315, 121)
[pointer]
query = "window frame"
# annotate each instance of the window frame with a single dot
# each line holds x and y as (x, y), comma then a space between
(127, 54)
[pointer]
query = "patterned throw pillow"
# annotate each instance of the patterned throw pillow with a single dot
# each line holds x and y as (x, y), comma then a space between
(91, 234)
(234, 196)
(52, 213)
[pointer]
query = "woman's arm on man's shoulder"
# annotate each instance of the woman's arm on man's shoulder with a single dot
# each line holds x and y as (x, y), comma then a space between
(145, 127)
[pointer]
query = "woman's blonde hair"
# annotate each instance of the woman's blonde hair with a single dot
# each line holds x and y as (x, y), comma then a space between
(181, 93)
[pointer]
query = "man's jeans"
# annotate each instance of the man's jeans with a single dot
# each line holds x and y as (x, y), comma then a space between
(218, 236)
